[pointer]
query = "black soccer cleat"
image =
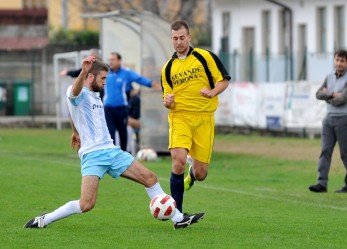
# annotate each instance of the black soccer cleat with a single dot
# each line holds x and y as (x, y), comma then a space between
(36, 222)
(318, 188)
(188, 219)
(342, 190)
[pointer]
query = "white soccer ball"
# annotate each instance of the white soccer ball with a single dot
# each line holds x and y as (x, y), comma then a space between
(162, 207)
(146, 155)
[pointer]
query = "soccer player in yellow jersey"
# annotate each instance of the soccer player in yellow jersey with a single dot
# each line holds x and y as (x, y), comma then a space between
(191, 82)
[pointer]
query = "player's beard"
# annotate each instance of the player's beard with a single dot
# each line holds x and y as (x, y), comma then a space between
(96, 87)
(182, 49)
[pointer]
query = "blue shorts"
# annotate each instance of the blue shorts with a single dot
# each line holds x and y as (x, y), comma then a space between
(112, 161)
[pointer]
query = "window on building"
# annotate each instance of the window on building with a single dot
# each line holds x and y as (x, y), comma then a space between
(225, 24)
(322, 30)
(339, 27)
(302, 52)
(225, 38)
(283, 30)
(225, 32)
(266, 31)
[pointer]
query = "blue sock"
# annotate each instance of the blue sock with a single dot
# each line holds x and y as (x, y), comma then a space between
(177, 189)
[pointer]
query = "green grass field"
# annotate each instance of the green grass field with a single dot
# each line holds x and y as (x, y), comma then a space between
(251, 201)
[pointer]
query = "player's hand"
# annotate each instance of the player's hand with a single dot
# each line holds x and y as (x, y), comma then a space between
(63, 72)
(87, 63)
(325, 89)
(75, 141)
(169, 101)
(156, 86)
(336, 94)
(207, 93)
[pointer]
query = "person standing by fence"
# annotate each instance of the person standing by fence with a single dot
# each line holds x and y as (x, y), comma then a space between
(334, 93)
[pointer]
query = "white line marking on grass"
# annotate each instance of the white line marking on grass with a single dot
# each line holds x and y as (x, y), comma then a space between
(267, 197)
(41, 160)
(265, 189)
(236, 191)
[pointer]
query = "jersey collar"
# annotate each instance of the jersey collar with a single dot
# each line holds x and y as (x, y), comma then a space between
(96, 94)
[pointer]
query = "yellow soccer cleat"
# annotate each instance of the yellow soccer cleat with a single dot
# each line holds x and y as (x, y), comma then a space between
(188, 181)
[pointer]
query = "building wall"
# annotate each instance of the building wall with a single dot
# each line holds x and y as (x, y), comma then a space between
(74, 19)
(12, 4)
(248, 14)
(244, 14)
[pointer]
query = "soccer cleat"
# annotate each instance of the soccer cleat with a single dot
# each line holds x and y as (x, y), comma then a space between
(37, 222)
(318, 188)
(188, 181)
(188, 219)
(342, 190)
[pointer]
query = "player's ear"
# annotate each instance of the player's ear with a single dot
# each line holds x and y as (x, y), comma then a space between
(90, 76)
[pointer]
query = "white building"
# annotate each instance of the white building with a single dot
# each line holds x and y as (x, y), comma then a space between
(256, 40)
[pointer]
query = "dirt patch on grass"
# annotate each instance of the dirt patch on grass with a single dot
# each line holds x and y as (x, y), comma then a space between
(293, 150)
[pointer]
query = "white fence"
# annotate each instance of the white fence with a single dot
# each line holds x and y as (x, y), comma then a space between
(274, 106)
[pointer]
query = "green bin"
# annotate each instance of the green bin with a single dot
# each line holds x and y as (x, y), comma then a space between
(3, 98)
(21, 98)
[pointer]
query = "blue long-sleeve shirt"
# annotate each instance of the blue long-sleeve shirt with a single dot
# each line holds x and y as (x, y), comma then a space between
(118, 84)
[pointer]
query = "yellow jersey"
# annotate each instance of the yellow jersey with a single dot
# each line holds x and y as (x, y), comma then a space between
(185, 77)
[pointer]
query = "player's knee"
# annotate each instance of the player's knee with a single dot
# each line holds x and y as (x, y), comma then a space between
(200, 176)
(86, 205)
(179, 165)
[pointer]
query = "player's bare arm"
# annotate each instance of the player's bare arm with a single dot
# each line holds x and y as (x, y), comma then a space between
(219, 88)
(78, 84)
(169, 101)
(75, 138)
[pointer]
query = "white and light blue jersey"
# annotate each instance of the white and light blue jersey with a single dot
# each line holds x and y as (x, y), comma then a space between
(87, 114)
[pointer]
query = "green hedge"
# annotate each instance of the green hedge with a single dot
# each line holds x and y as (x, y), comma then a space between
(70, 37)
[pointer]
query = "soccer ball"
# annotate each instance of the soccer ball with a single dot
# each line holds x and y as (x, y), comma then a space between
(146, 155)
(162, 207)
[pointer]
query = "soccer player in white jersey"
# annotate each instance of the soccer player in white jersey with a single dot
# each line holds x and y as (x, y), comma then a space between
(96, 150)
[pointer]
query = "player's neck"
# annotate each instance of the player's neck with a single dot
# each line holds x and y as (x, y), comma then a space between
(183, 54)
(88, 85)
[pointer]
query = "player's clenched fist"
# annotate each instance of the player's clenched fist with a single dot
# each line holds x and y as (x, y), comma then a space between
(87, 63)
(169, 101)
(206, 93)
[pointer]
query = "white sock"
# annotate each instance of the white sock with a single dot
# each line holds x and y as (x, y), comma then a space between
(178, 216)
(72, 207)
(157, 190)
(154, 190)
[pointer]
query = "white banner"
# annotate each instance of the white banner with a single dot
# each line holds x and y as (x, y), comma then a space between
(272, 105)
(315, 111)
(244, 104)
(223, 115)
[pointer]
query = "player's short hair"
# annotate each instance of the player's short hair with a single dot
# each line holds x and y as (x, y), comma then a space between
(98, 66)
(341, 53)
(176, 25)
(119, 57)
